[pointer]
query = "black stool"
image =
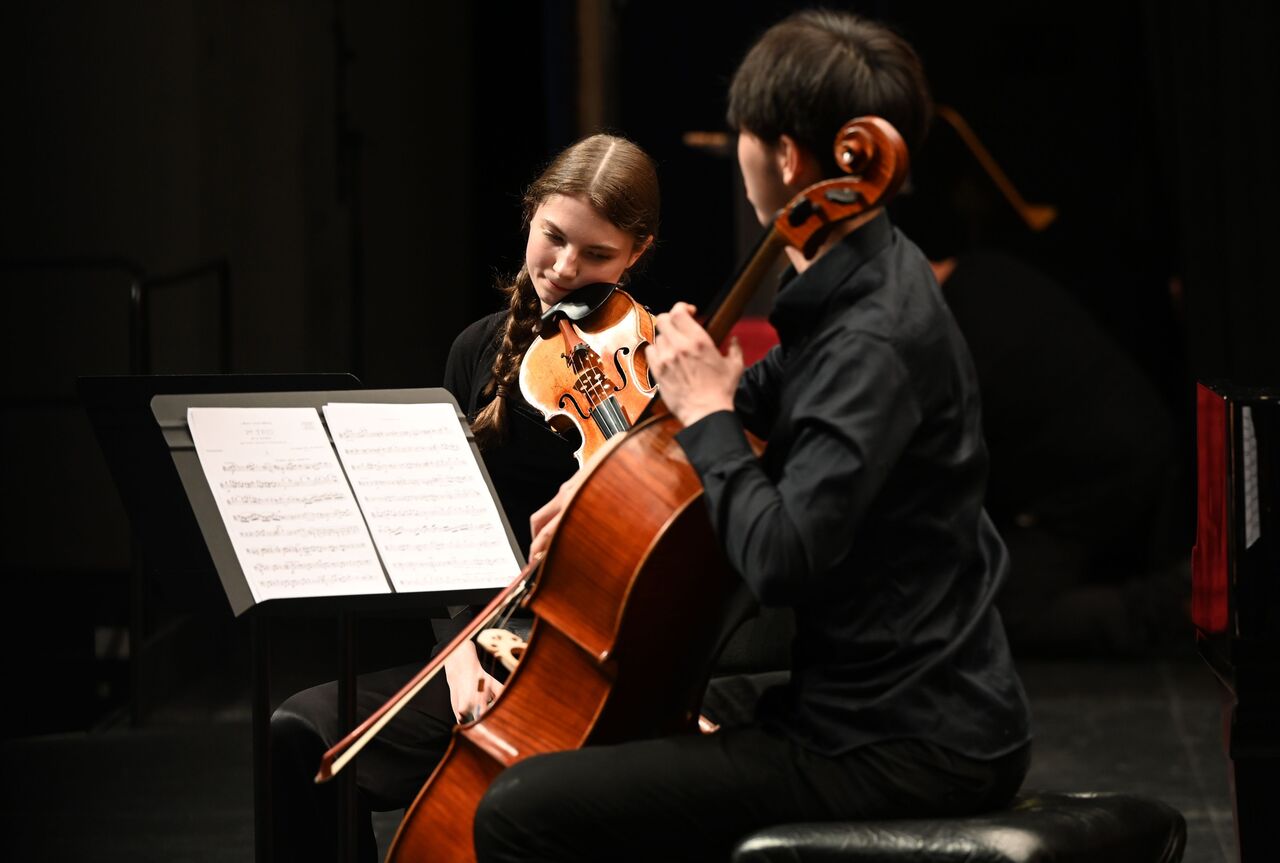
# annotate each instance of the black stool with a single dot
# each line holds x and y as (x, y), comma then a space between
(1037, 828)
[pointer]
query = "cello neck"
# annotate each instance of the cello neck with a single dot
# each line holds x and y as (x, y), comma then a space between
(728, 308)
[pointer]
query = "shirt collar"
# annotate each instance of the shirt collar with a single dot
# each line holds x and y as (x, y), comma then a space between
(802, 297)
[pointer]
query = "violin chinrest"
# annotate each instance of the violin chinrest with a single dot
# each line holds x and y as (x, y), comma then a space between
(581, 303)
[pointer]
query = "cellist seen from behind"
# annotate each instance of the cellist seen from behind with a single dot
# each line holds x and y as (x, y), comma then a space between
(864, 516)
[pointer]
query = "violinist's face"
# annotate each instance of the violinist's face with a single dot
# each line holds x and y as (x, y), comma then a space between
(571, 245)
(762, 175)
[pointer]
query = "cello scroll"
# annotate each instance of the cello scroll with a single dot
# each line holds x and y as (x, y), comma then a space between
(872, 152)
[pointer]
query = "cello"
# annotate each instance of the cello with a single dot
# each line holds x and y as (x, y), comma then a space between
(623, 634)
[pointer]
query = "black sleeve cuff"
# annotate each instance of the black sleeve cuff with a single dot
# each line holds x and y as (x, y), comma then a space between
(714, 440)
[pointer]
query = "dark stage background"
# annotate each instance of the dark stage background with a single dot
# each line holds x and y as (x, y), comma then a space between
(350, 174)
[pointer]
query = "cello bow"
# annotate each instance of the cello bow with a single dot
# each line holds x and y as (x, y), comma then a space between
(346, 749)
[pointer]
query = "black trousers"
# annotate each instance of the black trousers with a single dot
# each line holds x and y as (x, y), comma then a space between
(394, 765)
(693, 797)
(390, 770)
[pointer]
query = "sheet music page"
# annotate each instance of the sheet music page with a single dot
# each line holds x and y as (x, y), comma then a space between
(290, 514)
(431, 514)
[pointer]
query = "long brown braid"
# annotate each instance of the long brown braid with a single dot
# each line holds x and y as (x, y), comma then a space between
(519, 331)
(620, 181)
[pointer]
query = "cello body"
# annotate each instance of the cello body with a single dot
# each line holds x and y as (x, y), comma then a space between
(635, 562)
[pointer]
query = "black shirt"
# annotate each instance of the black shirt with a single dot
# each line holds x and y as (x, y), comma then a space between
(865, 513)
(529, 466)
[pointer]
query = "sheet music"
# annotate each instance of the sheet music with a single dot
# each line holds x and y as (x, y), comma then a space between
(290, 514)
(428, 507)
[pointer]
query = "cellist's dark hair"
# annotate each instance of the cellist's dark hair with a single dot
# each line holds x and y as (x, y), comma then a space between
(815, 70)
(620, 181)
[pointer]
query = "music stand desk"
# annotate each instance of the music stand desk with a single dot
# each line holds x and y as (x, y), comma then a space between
(170, 412)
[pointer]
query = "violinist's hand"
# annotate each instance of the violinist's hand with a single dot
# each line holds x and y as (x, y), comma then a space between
(471, 688)
(694, 378)
(542, 524)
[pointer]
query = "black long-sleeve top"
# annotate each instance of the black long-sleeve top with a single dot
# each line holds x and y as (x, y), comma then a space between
(865, 513)
(532, 462)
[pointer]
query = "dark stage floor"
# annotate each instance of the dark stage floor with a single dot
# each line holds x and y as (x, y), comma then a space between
(180, 789)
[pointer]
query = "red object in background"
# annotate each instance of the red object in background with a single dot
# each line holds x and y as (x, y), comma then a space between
(1209, 574)
(756, 336)
(1236, 595)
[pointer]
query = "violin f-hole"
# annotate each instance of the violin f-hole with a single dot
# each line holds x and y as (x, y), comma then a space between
(568, 397)
(617, 364)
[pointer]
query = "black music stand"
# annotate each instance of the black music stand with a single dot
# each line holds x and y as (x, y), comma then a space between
(171, 415)
(168, 550)
(141, 424)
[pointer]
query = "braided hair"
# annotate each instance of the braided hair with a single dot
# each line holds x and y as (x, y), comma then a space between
(619, 180)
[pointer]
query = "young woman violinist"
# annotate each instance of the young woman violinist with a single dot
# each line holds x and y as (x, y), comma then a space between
(591, 215)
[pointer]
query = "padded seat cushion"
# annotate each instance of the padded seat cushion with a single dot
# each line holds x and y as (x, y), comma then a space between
(1037, 828)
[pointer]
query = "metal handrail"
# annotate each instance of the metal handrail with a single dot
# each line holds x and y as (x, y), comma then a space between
(221, 270)
(140, 286)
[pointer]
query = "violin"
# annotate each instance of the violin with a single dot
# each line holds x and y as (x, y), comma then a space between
(587, 369)
(627, 598)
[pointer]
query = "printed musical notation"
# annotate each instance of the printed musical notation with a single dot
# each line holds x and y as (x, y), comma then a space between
(396, 501)
(291, 517)
(428, 508)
